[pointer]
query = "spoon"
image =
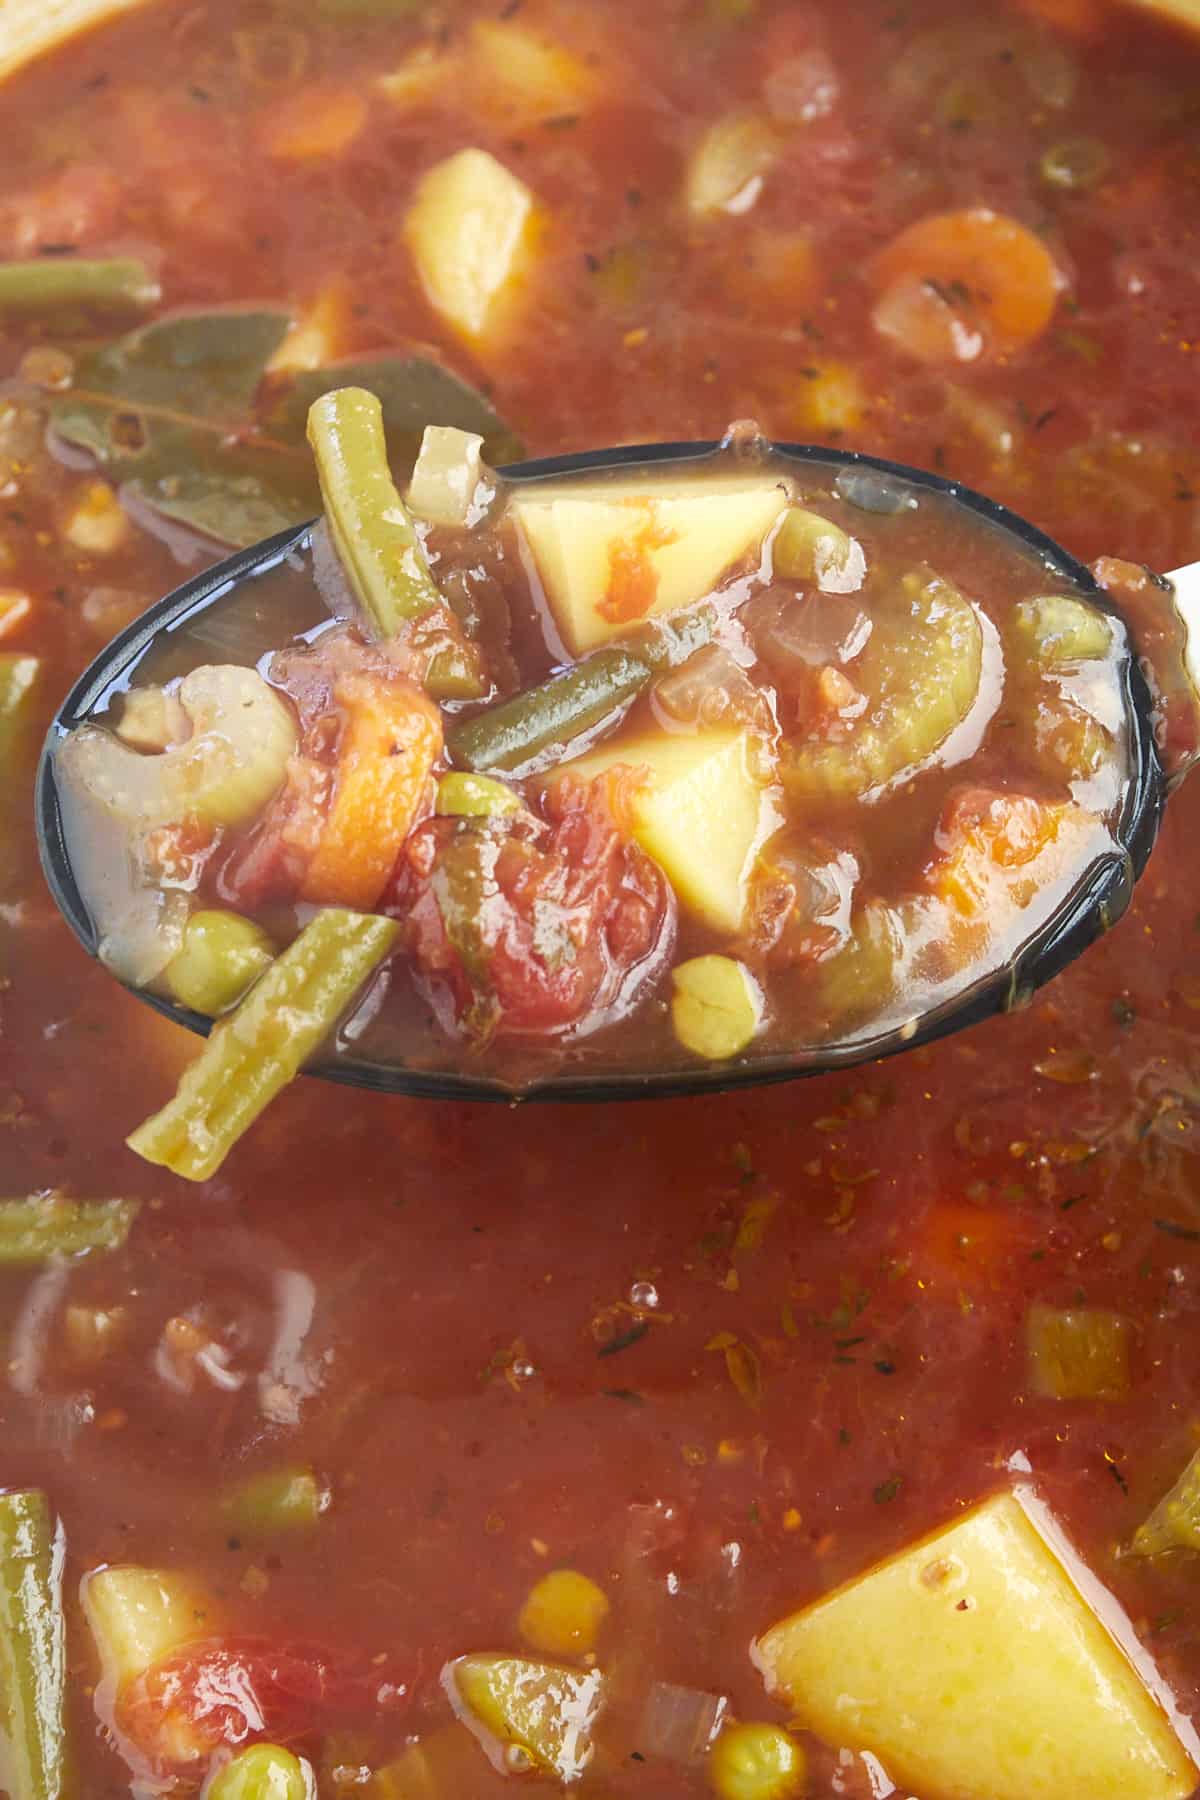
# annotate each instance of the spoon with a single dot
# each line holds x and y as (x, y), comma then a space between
(1095, 904)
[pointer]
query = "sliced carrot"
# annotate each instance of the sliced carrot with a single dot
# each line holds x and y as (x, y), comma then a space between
(392, 736)
(956, 285)
(985, 838)
(313, 123)
(959, 1245)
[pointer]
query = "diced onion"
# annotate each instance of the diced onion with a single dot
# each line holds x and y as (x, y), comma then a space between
(680, 1724)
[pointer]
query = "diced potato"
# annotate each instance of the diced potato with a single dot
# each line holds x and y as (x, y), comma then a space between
(752, 1761)
(972, 1663)
(563, 1614)
(728, 166)
(446, 475)
(317, 336)
(440, 1766)
(1078, 1354)
(137, 1616)
(698, 813)
(152, 719)
(421, 78)
(612, 558)
(524, 77)
(467, 229)
(717, 1006)
(97, 523)
(829, 401)
(526, 1713)
(1175, 1522)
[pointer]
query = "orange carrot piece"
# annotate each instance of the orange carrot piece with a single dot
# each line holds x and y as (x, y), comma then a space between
(984, 272)
(314, 123)
(985, 838)
(959, 1245)
(392, 737)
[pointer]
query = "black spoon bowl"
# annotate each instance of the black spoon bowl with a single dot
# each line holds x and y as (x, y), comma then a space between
(1090, 909)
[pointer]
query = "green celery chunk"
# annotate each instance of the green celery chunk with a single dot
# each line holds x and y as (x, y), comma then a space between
(1175, 1522)
(511, 735)
(281, 1501)
(50, 283)
(373, 532)
(32, 1651)
(48, 1225)
(222, 955)
(256, 1050)
(1057, 629)
(465, 796)
(263, 1772)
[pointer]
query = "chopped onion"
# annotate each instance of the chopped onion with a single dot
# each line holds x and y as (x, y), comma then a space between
(791, 632)
(679, 1724)
(874, 492)
(710, 690)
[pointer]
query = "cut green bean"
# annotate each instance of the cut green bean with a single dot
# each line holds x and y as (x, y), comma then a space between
(260, 1047)
(279, 1502)
(461, 795)
(49, 1225)
(373, 532)
(221, 956)
(32, 1650)
(511, 735)
(52, 283)
(263, 1772)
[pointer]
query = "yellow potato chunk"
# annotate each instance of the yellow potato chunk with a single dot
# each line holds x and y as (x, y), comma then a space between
(563, 1614)
(972, 1663)
(615, 556)
(717, 1006)
(467, 229)
(527, 1714)
(730, 163)
(698, 813)
(524, 78)
(137, 1616)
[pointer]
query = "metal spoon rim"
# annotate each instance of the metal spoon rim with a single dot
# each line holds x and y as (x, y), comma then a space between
(1092, 907)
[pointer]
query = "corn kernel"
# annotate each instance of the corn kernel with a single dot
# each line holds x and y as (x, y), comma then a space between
(563, 1613)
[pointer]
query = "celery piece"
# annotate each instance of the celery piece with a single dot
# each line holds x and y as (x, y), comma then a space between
(465, 796)
(1081, 1353)
(1057, 629)
(50, 283)
(222, 955)
(260, 1047)
(372, 529)
(263, 1772)
(1175, 1522)
(32, 1650)
(281, 1501)
(48, 1225)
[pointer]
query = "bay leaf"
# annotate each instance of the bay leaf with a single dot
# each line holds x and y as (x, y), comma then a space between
(414, 390)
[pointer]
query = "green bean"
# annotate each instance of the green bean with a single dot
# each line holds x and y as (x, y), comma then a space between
(221, 956)
(510, 735)
(465, 796)
(282, 1500)
(50, 283)
(373, 532)
(49, 1225)
(920, 672)
(32, 1650)
(254, 1052)
(264, 1772)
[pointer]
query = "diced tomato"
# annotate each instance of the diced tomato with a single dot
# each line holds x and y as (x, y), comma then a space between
(519, 925)
(222, 1692)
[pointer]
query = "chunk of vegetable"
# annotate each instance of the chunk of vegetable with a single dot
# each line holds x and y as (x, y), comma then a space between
(465, 796)
(70, 283)
(468, 230)
(137, 1616)
(624, 553)
(680, 1724)
(442, 1765)
(717, 1006)
(752, 1761)
(313, 123)
(533, 724)
(1081, 1353)
(152, 719)
(389, 743)
(523, 77)
(563, 1614)
(862, 977)
(374, 536)
(1058, 629)
(1018, 1692)
(32, 1651)
(958, 285)
(280, 1501)
(729, 164)
(526, 1713)
(222, 955)
(226, 771)
(263, 1772)
(697, 810)
(920, 671)
(446, 475)
(1175, 1522)
(258, 1049)
(809, 548)
(49, 1225)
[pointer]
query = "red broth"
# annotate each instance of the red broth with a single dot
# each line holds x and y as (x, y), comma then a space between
(447, 1311)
